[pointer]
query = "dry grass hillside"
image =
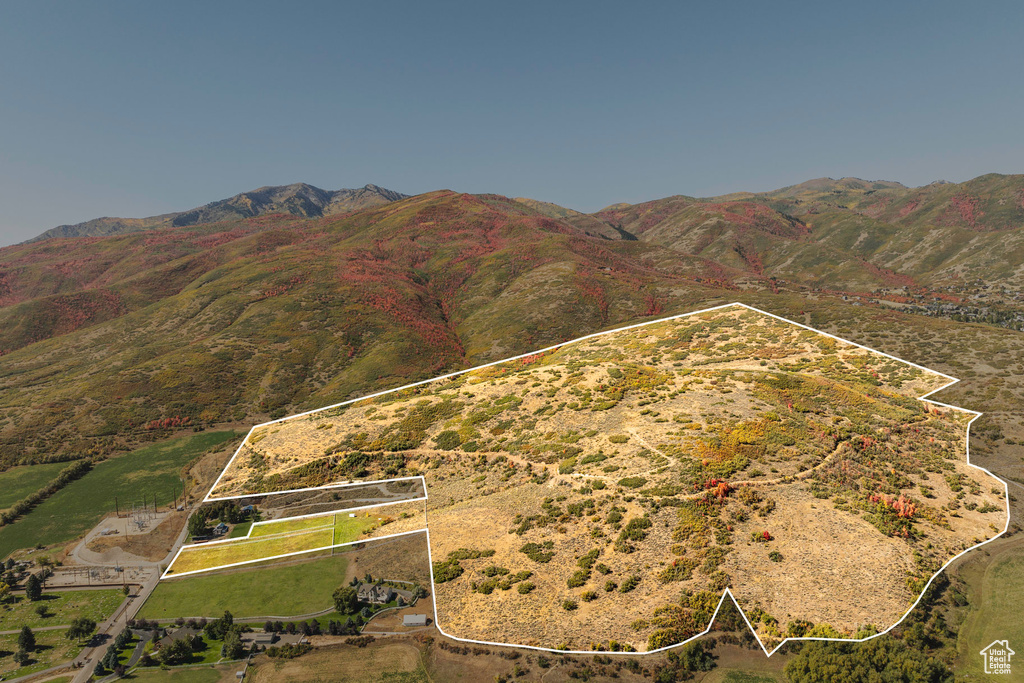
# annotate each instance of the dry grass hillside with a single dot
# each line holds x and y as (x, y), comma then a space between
(604, 494)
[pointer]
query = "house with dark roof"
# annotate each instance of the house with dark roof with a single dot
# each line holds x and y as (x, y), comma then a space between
(375, 593)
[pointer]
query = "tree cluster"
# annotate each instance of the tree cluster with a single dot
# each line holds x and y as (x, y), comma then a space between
(111, 658)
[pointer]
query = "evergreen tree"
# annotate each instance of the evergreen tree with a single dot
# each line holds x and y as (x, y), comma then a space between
(26, 639)
(33, 588)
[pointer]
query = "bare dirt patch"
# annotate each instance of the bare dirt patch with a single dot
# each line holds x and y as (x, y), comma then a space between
(152, 546)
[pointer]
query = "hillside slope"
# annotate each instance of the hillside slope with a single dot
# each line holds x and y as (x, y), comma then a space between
(107, 341)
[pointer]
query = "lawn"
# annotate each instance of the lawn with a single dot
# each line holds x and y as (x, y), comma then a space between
(18, 482)
(52, 648)
(994, 583)
(152, 471)
(257, 592)
(61, 608)
(240, 530)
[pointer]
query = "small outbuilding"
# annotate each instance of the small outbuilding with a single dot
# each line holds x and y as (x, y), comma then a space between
(414, 620)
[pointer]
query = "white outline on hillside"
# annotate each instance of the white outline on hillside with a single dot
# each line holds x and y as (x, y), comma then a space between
(207, 544)
(768, 653)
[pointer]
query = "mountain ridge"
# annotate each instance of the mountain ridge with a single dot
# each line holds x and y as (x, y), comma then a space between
(298, 199)
(261, 315)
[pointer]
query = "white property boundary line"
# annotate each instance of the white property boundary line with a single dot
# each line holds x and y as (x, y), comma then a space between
(325, 487)
(924, 398)
(333, 512)
(248, 536)
(277, 557)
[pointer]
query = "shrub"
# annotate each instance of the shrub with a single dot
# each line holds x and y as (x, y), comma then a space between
(537, 552)
(569, 604)
(467, 554)
(494, 570)
(578, 578)
(635, 530)
(448, 440)
(448, 570)
(290, 651)
(630, 583)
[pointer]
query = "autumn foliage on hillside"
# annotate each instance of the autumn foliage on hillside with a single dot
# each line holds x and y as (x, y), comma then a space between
(271, 313)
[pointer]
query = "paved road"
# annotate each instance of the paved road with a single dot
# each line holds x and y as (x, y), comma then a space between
(127, 611)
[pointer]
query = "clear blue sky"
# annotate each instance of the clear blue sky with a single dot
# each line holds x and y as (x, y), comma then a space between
(138, 108)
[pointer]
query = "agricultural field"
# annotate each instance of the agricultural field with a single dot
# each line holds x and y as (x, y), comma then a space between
(292, 536)
(292, 589)
(603, 495)
(61, 608)
(18, 482)
(153, 470)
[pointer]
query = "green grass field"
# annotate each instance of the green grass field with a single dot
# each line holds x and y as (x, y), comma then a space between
(52, 648)
(18, 482)
(346, 528)
(240, 530)
(261, 591)
(61, 608)
(994, 587)
(276, 538)
(69, 513)
(214, 555)
(287, 526)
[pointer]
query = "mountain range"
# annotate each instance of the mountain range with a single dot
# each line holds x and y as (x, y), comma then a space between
(298, 199)
(289, 298)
